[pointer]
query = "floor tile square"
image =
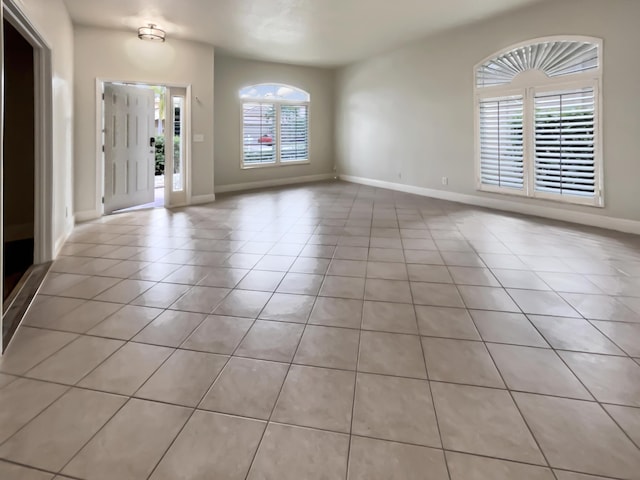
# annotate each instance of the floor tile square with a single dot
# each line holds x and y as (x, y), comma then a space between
(429, 273)
(574, 334)
(483, 421)
(275, 341)
(328, 347)
(79, 320)
(246, 387)
(542, 303)
(293, 453)
(16, 472)
(580, 436)
(389, 317)
(48, 442)
(394, 408)
(446, 322)
(536, 370)
(347, 268)
(161, 295)
(609, 379)
(204, 449)
(628, 418)
(131, 444)
(465, 467)
(126, 322)
(243, 303)
(75, 360)
(126, 370)
(171, 328)
(371, 459)
(387, 271)
(337, 312)
(488, 298)
(285, 307)
(261, 280)
(473, 276)
(625, 335)
(200, 299)
(300, 283)
(30, 346)
(125, 291)
(90, 288)
(436, 294)
(343, 287)
(22, 400)
(183, 379)
(568, 282)
(217, 334)
(318, 266)
(223, 277)
(316, 397)
(391, 354)
(397, 291)
(460, 361)
(505, 327)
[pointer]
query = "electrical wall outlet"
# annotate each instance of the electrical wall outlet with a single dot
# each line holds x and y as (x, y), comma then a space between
(445, 180)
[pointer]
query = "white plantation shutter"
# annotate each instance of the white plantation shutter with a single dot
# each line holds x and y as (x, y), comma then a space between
(258, 133)
(565, 143)
(294, 133)
(501, 142)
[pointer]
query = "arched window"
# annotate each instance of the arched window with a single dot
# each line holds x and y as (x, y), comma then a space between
(275, 125)
(538, 129)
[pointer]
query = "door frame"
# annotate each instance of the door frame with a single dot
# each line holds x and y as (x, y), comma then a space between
(99, 139)
(43, 132)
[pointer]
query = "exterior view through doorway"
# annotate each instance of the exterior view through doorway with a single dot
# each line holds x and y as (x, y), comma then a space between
(145, 150)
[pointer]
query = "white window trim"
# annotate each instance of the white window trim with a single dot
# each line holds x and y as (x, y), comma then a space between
(527, 84)
(278, 103)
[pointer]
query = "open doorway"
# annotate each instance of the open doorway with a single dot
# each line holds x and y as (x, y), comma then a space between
(19, 158)
(145, 153)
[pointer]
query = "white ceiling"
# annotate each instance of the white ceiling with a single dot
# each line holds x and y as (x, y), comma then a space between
(312, 32)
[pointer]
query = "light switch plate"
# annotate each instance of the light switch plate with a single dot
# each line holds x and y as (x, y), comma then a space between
(198, 138)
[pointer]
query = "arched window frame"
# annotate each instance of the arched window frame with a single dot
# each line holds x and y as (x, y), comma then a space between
(527, 85)
(277, 104)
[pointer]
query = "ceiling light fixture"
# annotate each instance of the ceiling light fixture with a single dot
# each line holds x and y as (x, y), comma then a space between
(151, 32)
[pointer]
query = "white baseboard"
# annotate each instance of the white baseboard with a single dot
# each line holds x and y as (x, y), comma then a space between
(273, 183)
(200, 199)
(87, 215)
(582, 218)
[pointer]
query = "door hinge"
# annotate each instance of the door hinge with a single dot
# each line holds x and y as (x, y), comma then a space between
(103, 148)
(103, 96)
(103, 200)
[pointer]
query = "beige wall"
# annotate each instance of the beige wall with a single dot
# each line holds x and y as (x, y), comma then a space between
(234, 73)
(121, 56)
(408, 116)
(51, 20)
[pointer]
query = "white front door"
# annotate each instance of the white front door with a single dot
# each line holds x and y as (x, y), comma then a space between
(129, 152)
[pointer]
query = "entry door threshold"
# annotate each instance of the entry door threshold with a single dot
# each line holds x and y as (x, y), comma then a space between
(19, 301)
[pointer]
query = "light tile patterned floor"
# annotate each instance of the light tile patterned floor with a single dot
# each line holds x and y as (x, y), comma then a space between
(329, 331)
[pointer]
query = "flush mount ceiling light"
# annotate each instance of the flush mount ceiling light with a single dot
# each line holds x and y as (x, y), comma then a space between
(151, 32)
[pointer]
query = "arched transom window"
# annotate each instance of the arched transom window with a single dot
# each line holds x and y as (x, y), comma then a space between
(275, 125)
(538, 129)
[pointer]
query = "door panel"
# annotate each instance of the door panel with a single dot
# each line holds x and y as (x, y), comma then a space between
(129, 155)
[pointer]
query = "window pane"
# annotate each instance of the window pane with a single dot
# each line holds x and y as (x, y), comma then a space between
(274, 91)
(564, 138)
(178, 144)
(294, 133)
(501, 143)
(258, 133)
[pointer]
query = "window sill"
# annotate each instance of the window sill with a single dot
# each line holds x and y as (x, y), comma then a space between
(271, 165)
(585, 202)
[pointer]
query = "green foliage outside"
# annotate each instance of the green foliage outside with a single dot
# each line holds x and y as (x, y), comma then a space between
(160, 160)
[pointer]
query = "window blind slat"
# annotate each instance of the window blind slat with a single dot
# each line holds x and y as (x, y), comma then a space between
(258, 133)
(564, 143)
(501, 142)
